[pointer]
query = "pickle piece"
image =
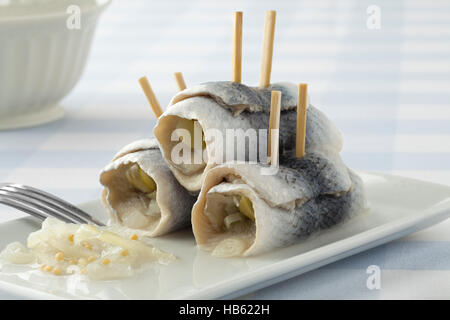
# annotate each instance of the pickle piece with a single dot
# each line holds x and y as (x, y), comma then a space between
(246, 208)
(189, 125)
(147, 180)
(140, 180)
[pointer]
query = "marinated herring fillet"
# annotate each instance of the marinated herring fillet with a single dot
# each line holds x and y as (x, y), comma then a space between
(305, 196)
(141, 192)
(228, 105)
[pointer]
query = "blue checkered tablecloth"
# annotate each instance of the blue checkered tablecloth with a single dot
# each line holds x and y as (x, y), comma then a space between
(387, 89)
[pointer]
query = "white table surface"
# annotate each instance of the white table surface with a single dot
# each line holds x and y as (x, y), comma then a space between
(388, 90)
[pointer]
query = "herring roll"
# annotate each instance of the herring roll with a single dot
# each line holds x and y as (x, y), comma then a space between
(240, 212)
(140, 192)
(228, 105)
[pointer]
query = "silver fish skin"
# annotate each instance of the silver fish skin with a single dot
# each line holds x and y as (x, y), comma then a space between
(283, 228)
(238, 97)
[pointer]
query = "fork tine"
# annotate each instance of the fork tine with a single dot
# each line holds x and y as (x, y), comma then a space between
(52, 197)
(38, 206)
(11, 202)
(44, 202)
(52, 200)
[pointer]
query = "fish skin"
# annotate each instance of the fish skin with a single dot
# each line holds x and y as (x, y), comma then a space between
(325, 173)
(138, 145)
(320, 133)
(238, 97)
(318, 213)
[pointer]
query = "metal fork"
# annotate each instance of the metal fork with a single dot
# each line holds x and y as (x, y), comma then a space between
(42, 204)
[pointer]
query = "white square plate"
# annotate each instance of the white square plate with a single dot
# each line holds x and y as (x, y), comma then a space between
(398, 206)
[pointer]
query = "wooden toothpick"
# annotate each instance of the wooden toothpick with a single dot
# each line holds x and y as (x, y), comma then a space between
(151, 98)
(237, 47)
(180, 81)
(267, 53)
(274, 124)
(301, 120)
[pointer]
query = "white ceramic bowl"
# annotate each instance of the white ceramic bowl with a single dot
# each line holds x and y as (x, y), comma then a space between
(41, 60)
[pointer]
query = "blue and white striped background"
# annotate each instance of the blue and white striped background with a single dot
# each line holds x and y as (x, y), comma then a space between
(387, 90)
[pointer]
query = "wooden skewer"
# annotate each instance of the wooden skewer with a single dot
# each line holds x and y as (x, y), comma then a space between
(301, 120)
(274, 124)
(151, 98)
(266, 63)
(180, 80)
(237, 47)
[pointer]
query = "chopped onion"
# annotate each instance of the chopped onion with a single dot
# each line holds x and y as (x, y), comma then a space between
(64, 248)
(17, 253)
(232, 218)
